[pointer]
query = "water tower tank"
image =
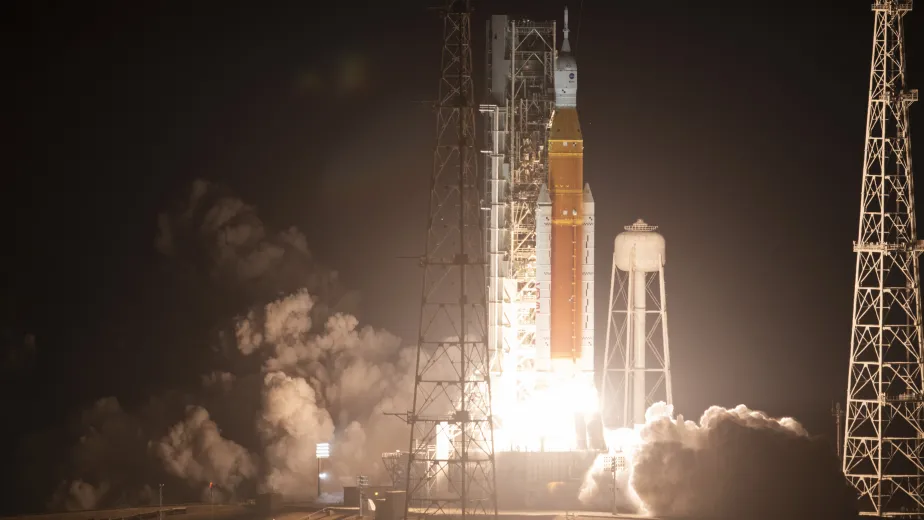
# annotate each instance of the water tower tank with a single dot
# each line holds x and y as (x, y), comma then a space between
(641, 243)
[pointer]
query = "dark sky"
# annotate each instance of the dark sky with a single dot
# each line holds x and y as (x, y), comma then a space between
(735, 126)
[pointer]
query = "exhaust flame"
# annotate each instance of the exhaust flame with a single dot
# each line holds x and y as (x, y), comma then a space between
(545, 418)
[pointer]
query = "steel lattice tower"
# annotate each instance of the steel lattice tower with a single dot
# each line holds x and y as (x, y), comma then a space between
(884, 434)
(450, 467)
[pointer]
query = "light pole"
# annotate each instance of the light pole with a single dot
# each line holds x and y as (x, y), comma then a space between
(322, 451)
(616, 463)
(361, 482)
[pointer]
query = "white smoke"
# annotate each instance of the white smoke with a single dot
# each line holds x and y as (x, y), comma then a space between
(287, 320)
(332, 385)
(195, 451)
(299, 370)
(734, 463)
(292, 424)
(247, 339)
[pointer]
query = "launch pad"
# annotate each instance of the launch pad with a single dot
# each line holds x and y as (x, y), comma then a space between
(541, 480)
(538, 223)
(516, 424)
(526, 480)
(558, 514)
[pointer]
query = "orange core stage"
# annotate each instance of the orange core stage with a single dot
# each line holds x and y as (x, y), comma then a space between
(566, 183)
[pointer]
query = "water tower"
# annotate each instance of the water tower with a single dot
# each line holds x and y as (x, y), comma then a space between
(637, 358)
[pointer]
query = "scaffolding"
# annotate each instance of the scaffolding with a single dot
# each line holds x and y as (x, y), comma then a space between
(520, 88)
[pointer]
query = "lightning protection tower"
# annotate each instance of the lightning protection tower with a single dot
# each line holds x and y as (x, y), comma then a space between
(450, 466)
(884, 437)
(637, 360)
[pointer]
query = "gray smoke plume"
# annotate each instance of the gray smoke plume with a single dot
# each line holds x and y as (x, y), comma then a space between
(738, 463)
(333, 385)
(218, 379)
(118, 454)
(259, 391)
(80, 496)
(292, 423)
(221, 236)
(106, 461)
(195, 451)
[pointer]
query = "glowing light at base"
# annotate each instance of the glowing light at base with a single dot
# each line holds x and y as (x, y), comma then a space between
(545, 417)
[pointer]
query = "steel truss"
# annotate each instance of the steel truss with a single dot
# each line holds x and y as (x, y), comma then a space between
(884, 431)
(395, 463)
(450, 465)
(517, 165)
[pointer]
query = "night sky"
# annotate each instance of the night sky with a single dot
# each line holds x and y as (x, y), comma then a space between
(737, 127)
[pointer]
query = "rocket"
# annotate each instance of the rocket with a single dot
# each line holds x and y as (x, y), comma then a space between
(564, 236)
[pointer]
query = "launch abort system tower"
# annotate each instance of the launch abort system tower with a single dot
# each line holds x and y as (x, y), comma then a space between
(884, 434)
(450, 462)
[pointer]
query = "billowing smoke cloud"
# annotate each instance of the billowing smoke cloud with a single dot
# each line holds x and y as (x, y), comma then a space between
(597, 493)
(79, 495)
(108, 460)
(258, 391)
(195, 451)
(330, 386)
(325, 377)
(292, 424)
(229, 230)
(221, 236)
(734, 463)
(218, 379)
(120, 455)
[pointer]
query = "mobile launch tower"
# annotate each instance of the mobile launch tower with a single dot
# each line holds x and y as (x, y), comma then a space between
(520, 85)
(540, 264)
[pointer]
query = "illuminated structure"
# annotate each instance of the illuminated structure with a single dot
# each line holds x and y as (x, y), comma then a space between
(520, 83)
(540, 266)
(541, 436)
(884, 434)
(450, 464)
(636, 332)
(321, 452)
